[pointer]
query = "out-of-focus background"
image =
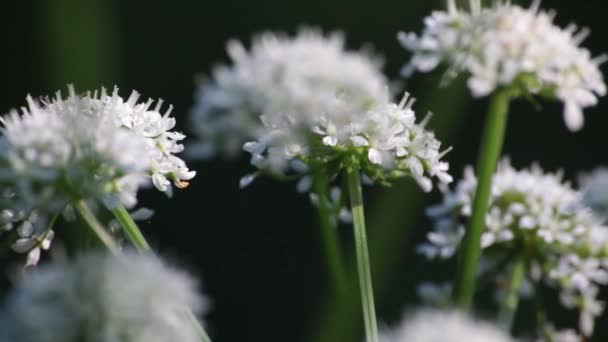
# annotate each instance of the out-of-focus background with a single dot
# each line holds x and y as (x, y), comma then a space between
(257, 250)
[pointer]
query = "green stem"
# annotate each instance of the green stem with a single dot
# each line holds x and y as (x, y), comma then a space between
(491, 147)
(201, 332)
(95, 226)
(131, 229)
(539, 306)
(509, 306)
(363, 263)
(329, 233)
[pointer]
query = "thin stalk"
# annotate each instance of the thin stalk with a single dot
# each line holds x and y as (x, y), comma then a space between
(539, 306)
(363, 263)
(202, 334)
(509, 306)
(329, 233)
(95, 226)
(133, 232)
(491, 147)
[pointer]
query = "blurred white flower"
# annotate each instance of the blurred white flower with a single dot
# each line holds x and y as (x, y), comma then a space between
(579, 273)
(566, 335)
(595, 189)
(441, 326)
(538, 216)
(588, 304)
(300, 75)
(101, 298)
(383, 139)
(509, 46)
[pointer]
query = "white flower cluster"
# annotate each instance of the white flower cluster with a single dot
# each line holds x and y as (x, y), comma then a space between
(510, 46)
(26, 232)
(440, 326)
(146, 121)
(384, 140)
(566, 335)
(94, 146)
(539, 216)
(103, 298)
(299, 75)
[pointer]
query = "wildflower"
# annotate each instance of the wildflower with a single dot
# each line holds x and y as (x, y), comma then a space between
(94, 146)
(439, 326)
(300, 75)
(103, 298)
(537, 215)
(509, 46)
(384, 139)
(145, 120)
(51, 157)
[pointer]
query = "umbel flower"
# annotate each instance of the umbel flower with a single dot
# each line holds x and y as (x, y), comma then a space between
(440, 326)
(94, 147)
(145, 120)
(384, 140)
(103, 298)
(302, 74)
(509, 46)
(537, 216)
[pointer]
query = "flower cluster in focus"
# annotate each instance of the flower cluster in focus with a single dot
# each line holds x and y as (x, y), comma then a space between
(539, 217)
(509, 46)
(384, 141)
(94, 146)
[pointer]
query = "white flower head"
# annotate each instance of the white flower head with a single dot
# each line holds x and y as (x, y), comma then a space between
(300, 75)
(523, 203)
(146, 120)
(54, 154)
(440, 326)
(92, 146)
(509, 46)
(383, 139)
(103, 298)
(536, 215)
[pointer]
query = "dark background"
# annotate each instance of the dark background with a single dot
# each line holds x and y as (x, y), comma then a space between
(258, 250)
